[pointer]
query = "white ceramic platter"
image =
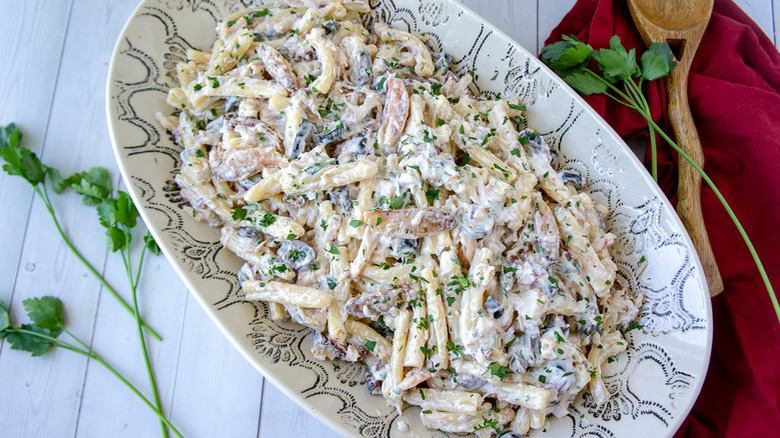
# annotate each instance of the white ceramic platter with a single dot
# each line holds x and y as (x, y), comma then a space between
(653, 385)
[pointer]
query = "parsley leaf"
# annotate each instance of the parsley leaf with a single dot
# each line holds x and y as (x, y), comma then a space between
(5, 317)
(566, 55)
(10, 136)
(633, 326)
(431, 195)
(20, 161)
(29, 342)
(126, 212)
(45, 312)
(94, 185)
(616, 63)
(238, 213)
(584, 82)
(117, 239)
(497, 370)
(267, 219)
(657, 61)
(151, 244)
(397, 204)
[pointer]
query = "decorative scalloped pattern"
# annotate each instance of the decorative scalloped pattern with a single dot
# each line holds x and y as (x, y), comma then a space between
(652, 385)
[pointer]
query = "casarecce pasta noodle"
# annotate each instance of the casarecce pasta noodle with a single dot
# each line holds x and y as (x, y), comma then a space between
(412, 225)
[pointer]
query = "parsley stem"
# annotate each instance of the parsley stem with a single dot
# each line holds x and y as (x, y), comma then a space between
(43, 194)
(762, 272)
(134, 289)
(138, 393)
(609, 85)
(641, 101)
(90, 353)
(653, 154)
(645, 113)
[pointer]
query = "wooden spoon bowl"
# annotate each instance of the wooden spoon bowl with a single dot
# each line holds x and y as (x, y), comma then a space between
(673, 15)
(681, 23)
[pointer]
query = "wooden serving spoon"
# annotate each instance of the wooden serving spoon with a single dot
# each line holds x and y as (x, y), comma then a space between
(681, 23)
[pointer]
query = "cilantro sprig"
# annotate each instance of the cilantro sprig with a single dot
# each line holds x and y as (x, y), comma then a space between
(47, 323)
(622, 80)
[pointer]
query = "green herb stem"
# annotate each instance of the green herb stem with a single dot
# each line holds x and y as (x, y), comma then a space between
(45, 198)
(640, 100)
(632, 102)
(653, 154)
(651, 130)
(569, 59)
(134, 289)
(762, 272)
(90, 353)
(644, 111)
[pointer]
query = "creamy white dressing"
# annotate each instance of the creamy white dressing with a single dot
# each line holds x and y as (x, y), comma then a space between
(385, 177)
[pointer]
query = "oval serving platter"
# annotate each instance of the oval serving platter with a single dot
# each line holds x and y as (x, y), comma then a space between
(653, 385)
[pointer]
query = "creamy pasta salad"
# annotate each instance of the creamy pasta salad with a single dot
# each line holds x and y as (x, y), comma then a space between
(412, 225)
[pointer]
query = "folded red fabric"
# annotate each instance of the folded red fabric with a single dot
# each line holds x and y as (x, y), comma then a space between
(734, 93)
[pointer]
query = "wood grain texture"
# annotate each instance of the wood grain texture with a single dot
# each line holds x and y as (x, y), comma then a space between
(280, 416)
(517, 19)
(41, 396)
(761, 11)
(32, 35)
(550, 14)
(682, 25)
(775, 22)
(217, 393)
(56, 94)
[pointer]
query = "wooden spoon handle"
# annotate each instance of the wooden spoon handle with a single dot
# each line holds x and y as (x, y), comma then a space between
(689, 184)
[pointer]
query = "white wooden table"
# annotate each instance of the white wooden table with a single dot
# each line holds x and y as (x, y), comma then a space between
(56, 55)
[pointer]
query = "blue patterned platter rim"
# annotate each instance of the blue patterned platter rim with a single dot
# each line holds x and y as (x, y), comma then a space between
(653, 385)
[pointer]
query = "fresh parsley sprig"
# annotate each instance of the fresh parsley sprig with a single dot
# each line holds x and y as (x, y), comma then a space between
(621, 80)
(116, 213)
(570, 59)
(47, 323)
(94, 185)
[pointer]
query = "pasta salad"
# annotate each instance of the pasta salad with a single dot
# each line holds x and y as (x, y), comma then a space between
(412, 225)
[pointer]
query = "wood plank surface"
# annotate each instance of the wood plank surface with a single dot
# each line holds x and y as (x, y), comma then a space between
(55, 90)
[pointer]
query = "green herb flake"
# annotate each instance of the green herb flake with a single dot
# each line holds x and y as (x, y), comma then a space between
(497, 370)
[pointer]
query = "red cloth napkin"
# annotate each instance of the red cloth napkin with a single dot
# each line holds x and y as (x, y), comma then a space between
(734, 93)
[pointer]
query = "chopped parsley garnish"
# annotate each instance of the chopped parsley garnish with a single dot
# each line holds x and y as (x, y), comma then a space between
(431, 195)
(238, 213)
(396, 204)
(497, 370)
(314, 168)
(267, 219)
